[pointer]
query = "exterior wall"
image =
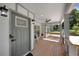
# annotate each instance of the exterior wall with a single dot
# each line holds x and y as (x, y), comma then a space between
(4, 30)
(9, 5)
(43, 29)
(4, 36)
(38, 24)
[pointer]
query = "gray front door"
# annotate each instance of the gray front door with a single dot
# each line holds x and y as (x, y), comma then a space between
(20, 43)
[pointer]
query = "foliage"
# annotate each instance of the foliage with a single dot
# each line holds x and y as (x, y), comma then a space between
(74, 21)
(73, 17)
(76, 28)
(56, 27)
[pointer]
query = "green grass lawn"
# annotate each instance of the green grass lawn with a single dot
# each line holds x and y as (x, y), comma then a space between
(55, 32)
(73, 32)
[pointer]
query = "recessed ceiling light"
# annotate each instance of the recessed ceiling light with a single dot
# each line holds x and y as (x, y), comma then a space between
(42, 15)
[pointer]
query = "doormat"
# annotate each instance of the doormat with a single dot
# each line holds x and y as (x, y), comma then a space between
(29, 54)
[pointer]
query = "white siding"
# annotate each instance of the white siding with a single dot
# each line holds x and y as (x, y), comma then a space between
(22, 10)
(4, 31)
(4, 36)
(9, 5)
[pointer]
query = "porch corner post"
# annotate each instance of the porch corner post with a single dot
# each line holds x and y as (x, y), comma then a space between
(66, 33)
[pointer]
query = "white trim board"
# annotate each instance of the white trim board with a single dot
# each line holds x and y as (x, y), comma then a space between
(27, 53)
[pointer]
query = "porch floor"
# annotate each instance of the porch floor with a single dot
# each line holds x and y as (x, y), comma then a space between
(50, 46)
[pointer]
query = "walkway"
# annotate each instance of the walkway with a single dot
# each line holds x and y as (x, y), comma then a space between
(49, 46)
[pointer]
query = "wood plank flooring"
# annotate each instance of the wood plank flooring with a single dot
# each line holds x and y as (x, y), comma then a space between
(48, 48)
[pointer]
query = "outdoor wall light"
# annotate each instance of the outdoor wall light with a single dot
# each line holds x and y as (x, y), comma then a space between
(3, 11)
(33, 21)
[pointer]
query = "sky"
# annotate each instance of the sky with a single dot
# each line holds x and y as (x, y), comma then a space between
(77, 6)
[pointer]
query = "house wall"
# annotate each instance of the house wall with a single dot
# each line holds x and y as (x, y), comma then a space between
(4, 37)
(9, 5)
(4, 29)
(4, 32)
(43, 29)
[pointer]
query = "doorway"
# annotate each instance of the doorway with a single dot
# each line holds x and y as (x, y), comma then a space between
(19, 34)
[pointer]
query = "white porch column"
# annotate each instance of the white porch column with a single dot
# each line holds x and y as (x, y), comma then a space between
(32, 36)
(61, 35)
(66, 32)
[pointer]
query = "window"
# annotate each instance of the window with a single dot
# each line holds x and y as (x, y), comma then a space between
(21, 22)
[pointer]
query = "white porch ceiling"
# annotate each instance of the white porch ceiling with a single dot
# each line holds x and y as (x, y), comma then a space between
(42, 11)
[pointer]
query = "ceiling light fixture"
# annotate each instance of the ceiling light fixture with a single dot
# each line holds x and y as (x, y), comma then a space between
(42, 15)
(48, 20)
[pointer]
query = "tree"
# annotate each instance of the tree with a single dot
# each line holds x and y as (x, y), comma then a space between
(56, 27)
(73, 18)
(77, 13)
(74, 22)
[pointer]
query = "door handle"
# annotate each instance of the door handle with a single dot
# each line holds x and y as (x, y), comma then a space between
(12, 40)
(11, 36)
